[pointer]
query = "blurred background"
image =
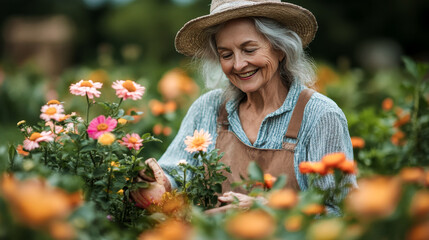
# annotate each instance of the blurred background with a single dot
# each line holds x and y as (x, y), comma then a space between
(48, 44)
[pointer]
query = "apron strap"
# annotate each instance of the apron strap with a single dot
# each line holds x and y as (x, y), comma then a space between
(295, 121)
(298, 113)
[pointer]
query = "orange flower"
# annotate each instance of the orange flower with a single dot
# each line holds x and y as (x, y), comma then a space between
(269, 180)
(426, 179)
(398, 138)
(293, 223)
(171, 229)
(53, 101)
(320, 168)
(419, 232)
(325, 76)
(283, 199)
(305, 167)
(253, 224)
(420, 204)
(21, 151)
(326, 229)
(314, 167)
(156, 107)
(198, 142)
(313, 209)
(358, 142)
(402, 120)
(333, 160)
(348, 167)
(376, 197)
(175, 83)
(412, 175)
(170, 106)
(34, 202)
(136, 117)
(157, 129)
(62, 230)
(167, 131)
(387, 104)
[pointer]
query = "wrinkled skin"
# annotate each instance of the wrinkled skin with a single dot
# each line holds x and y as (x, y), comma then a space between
(244, 202)
(144, 197)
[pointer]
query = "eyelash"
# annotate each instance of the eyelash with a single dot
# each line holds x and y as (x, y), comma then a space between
(245, 50)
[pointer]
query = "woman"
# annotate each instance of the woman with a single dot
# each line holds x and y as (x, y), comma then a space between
(266, 113)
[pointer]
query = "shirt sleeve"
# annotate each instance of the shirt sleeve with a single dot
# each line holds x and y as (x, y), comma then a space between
(201, 115)
(330, 134)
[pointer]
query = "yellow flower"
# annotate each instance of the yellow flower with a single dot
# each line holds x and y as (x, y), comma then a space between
(122, 121)
(20, 123)
(198, 142)
(106, 139)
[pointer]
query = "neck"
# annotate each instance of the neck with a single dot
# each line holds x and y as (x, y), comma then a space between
(267, 99)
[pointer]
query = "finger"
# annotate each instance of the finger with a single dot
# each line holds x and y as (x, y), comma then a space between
(226, 199)
(140, 200)
(157, 170)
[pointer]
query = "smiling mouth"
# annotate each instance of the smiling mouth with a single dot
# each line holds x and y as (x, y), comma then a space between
(248, 74)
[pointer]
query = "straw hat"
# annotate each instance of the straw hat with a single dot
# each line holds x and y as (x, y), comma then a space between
(191, 36)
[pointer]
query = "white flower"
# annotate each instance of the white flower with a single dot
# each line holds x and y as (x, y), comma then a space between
(182, 162)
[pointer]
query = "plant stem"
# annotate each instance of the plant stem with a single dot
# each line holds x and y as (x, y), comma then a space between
(87, 110)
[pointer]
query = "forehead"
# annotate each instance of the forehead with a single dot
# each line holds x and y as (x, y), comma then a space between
(238, 31)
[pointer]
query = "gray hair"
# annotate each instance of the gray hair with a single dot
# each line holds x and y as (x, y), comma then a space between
(296, 66)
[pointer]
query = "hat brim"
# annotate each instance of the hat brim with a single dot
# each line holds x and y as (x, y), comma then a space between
(191, 37)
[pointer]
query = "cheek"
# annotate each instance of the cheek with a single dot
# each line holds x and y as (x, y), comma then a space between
(226, 67)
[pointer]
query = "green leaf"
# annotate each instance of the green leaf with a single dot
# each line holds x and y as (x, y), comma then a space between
(280, 182)
(120, 112)
(411, 67)
(134, 113)
(255, 172)
(128, 118)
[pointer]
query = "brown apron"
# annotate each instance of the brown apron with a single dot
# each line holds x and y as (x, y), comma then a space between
(238, 155)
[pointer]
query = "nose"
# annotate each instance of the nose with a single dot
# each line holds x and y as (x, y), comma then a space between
(240, 62)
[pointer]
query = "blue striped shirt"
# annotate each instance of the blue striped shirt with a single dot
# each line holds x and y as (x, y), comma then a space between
(323, 130)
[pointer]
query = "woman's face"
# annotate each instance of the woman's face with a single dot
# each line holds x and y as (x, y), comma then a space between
(246, 56)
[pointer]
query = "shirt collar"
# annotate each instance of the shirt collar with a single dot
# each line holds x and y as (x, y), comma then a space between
(290, 101)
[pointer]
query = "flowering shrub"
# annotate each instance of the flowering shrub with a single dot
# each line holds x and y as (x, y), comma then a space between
(207, 177)
(101, 153)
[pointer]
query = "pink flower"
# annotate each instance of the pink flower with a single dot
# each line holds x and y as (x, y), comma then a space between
(100, 125)
(128, 89)
(199, 142)
(33, 141)
(52, 111)
(132, 141)
(83, 88)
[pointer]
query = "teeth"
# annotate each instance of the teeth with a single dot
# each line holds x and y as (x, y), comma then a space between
(247, 74)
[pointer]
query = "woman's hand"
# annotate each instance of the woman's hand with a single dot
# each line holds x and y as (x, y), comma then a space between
(244, 202)
(157, 187)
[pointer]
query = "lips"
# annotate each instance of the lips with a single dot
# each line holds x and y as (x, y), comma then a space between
(247, 75)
